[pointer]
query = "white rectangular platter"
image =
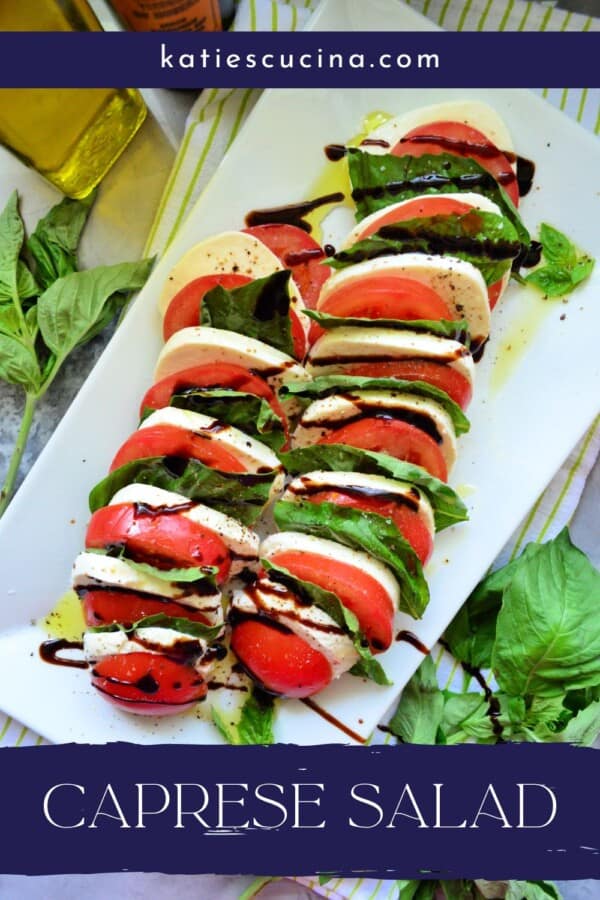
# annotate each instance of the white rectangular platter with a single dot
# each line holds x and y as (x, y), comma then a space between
(537, 390)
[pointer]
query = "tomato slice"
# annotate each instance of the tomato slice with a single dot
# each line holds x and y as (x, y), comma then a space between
(149, 684)
(168, 440)
(494, 292)
(358, 591)
(184, 309)
(104, 607)
(278, 659)
(298, 251)
(394, 437)
(429, 205)
(166, 540)
(440, 375)
(219, 375)
(460, 140)
(407, 521)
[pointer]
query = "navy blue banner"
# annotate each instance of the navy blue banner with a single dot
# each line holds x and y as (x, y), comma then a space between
(508, 811)
(297, 60)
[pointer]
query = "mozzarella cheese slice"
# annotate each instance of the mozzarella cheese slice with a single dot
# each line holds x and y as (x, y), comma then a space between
(309, 622)
(470, 112)
(202, 345)
(326, 414)
(97, 645)
(356, 482)
(458, 283)
(341, 347)
(93, 569)
(305, 543)
(232, 252)
(241, 541)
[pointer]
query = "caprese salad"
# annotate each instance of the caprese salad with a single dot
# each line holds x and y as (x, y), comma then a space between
(347, 371)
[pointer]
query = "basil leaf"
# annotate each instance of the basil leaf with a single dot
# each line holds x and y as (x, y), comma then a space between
(255, 724)
(187, 575)
(362, 531)
(455, 330)
(553, 281)
(584, 727)
(471, 634)
(419, 712)
(53, 244)
(9, 320)
(19, 364)
(249, 413)
(532, 890)
(367, 666)
(324, 385)
(484, 239)
(379, 180)
(259, 309)
(457, 889)
(71, 306)
(465, 717)
(448, 508)
(12, 233)
(557, 247)
(551, 601)
(239, 495)
(176, 623)
(26, 283)
(407, 890)
(582, 269)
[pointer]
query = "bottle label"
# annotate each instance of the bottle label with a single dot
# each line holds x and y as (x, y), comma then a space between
(170, 15)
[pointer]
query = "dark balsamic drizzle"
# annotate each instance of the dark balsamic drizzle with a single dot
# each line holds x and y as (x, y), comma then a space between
(308, 488)
(528, 257)
(375, 142)
(493, 710)
(303, 256)
(308, 701)
(364, 411)
(409, 638)
(335, 152)
(49, 651)
(525, 174)
(293, 213)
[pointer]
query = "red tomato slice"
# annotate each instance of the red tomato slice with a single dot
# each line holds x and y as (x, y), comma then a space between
(460, 140)
(407, 521)
(166, 540)
(127, 607)
(494, 292)
(278, 659)
(219, 375)
(184, 309)
(438, 374)
(168, 440)
(298, 251)
(392, 436)
(149, 684)
(420, 207)
(359, 592)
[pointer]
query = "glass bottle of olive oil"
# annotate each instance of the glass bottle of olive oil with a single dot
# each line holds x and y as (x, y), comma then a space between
(72, 136)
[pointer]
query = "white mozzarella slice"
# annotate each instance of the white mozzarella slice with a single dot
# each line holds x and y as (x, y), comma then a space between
(458, 283)
(241, 541)
(97, 645)
(304, 543)
(202, 345)
(470, 112)
(341, 347)
(93, 569)
(371, 485)
(321, 416)
(232, 252)
(309, 622)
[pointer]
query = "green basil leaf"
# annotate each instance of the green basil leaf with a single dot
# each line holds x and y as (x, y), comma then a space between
(9, 320)
(551, 601)
(259, 309)
(582, 269)
(71, 306)
(584, 727)
(239, 495)
(484, 239)
(418, 715)
(532, 890)
(362, 531)
(379, 180)
(557, 247)
(407, 890)
(249, 413)
(53, 244)
(19, 364)
(465, 717)
(553, 281)
(255, 723)
(12, 233)
(367, 666)
(455, 330)
(187, 575)
(324, 385)
(448, 508)
(27, 286)
(176, 623)
(458, 890)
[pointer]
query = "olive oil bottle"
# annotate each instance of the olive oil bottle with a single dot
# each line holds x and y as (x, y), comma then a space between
(174, 15)
(72, 136)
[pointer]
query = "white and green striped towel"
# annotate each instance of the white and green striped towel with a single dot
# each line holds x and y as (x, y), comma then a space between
(214, 123)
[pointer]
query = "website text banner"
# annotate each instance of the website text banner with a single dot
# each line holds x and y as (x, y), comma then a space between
(520, 811)
(299, 60)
